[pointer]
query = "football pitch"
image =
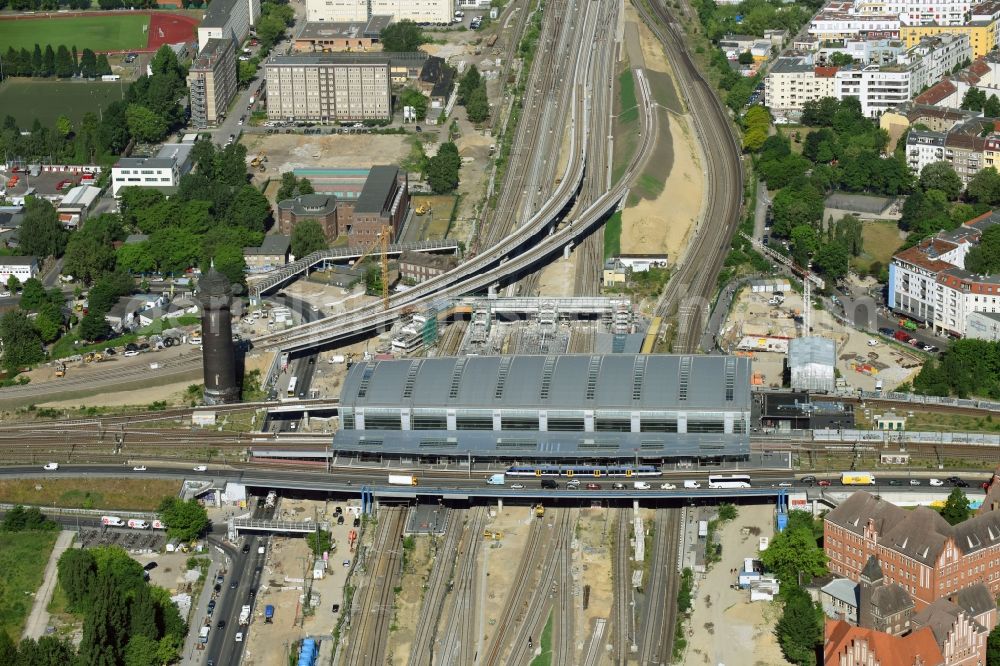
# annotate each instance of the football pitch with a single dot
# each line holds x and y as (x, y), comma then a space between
(100, 33)
(27, 99)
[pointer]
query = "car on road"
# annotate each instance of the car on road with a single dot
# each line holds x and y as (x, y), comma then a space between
(252, 595)
(914, 482)
(51, 467)
(960, 484)
(201, 468)
(953, 479)
(785, 484)
(221, 624)
(139, 468)
(593, 486)
(211, 606)
(131, 352)
(4, 294)
(517, 486)
(246, 548)
(335, 608)
(895, 482)
(149, 566)
(618, 486)
(936, 482)
(219, 578)
(809, 478)
(931, 349)
(873, 343)
(573, 483)
(667, 486)
(823, 483)
(886, 331)
(239, 636)
(233, 585)
(419, 128)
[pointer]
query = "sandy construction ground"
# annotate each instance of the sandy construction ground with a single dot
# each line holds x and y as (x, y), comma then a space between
(665, 224)
(338, 151)
(725, 627)
(558, 279)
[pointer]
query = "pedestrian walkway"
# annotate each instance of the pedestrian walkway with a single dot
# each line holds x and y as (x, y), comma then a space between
(38, 620)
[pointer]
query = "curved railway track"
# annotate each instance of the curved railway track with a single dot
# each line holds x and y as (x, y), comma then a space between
(690, 291)
(372, 611)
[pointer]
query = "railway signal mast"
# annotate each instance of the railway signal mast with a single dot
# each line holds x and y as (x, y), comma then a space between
(808, 279)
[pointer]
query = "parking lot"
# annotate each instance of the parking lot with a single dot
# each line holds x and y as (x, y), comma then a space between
(131, 540)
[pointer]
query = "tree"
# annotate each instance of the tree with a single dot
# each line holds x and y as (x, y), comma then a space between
(974, 99)
(307, 237)
(142, 651)
(319, 541)
(88, 64)
(48, 61)
(794, 206)
(413, 97)
(185, 520)
(105, 626)
(250, 209)
(135, 258)
(792, 553)
(88, 256)
(41, 234)
(77, 576)
(144, 124)
(230, 262)
(984, 258)
(956, 507)
(442, 169)
(753, 139)
(306, 186)
(804, 242)
(64, 68)
(33, 295)
(94, 326)
(985, 186)
(402, 37)
(64, 126)
(373, 280)
(745, 58)
(831, 260)
(991, 109)
(46, 651)
(287, 188)
(992, 647)
(941, 176)
(799, 630)
(21, 344)
(840, 59)
(269, 30)
(31, 519)
(8, 651)
(103, 66)
(478, 106)
(469, 82)
(142, 615)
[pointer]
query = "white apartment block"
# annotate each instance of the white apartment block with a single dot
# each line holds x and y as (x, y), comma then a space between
(228, 19)
(929, 12)
(842, 20)
(350, 11)
(933, 58)
(23, 268)
(325, 88)
(163, 171)
(793, 81)
(929, 283)
(923, 148)
(877, 88)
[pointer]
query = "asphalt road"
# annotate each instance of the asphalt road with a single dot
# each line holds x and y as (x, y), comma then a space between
(245, 571)
(302, 367)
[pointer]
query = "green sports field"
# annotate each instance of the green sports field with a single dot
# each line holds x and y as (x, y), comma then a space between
(99, 33)
(27, 99)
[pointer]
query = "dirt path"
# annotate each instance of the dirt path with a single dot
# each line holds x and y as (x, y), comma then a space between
(38, 620)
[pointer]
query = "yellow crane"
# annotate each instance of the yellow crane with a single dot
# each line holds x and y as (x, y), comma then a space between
(382, 243)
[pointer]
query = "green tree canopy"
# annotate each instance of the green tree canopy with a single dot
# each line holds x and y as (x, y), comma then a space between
(442, 169)
(307, 237)
(145, 124)
(77, 576)
(33, 295)
(993, 647)
(412, 97)
(799, 630)
(985, 185)
(185, 520)
(41, 235)
(469, 82)
(478, 106)
(20, 519)
(956, 507)
(402, 37)
(941, 176)
(22, 345)
(794, 553)
(985, 257)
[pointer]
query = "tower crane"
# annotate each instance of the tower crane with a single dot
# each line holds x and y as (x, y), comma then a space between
(808, 279)
(381, 243)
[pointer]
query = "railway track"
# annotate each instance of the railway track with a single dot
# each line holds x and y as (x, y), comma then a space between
(437, 588)
(690, 291)
(622, 611)
(519, 596)
(657, 636)
(372, 609)
(458, 644)
(564, 606)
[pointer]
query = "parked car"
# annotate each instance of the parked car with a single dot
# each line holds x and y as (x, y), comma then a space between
(51, 467)
(131, 352)
(335, 608)
(931, 349)
(149, 566)
(936, 482)
(246, 548)
(239, 636)
(824, 483)
(517, 486)
(886, 331)
(139, 468)
(914, 482)
(221, 624)
(809, 479)
(201, 468)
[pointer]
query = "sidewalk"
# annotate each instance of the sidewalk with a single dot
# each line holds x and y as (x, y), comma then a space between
(38, 620)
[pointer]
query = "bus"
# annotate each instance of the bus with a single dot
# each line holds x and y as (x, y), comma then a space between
(734, 481)
(292, 383)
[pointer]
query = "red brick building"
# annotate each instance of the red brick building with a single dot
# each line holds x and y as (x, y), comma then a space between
(916, 549)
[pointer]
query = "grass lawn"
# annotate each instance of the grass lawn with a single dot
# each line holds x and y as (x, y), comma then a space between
(613, 235)
(23, 556)
(27, 99)
(114, 32)
(881, 240)
(441, 208)
(624, 125)
(103, 493)
(545, 657)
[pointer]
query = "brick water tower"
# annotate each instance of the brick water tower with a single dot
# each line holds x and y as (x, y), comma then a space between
(215, 295)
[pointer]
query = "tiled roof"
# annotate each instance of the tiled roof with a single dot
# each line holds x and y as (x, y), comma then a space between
(936, 93)
(925, 254)
(918, 647)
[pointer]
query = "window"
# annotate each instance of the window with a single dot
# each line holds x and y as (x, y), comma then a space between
(706, 426)
(474, 423)
(612, 425)
(383, 422)
(658, 425)
(519, 423)
(565, 424)
(430, 423)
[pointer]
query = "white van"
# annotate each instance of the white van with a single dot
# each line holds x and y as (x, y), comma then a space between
(692, 484)
(640, 485)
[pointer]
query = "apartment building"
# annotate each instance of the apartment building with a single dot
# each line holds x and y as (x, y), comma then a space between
(329, 87)
(841, 20)
(328, 36)
(862, 51)
(345, 11)
(22, 268)
(793, 81)
(162, 171)
(212, 81)
(228, 19)
(981, 29)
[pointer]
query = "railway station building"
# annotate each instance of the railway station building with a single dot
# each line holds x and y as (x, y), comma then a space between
(556, 408)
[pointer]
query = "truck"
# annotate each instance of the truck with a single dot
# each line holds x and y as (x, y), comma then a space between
(402, 480)
(203, 633)
(112, 521)
(495, 479)
(857, 479)
(268, 614)
(908, 325)
(245, 615)
(902, 336)
(137, 524)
